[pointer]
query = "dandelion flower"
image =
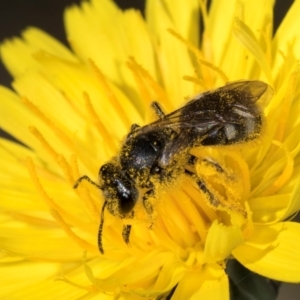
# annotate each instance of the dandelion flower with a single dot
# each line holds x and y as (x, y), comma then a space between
(73, 108)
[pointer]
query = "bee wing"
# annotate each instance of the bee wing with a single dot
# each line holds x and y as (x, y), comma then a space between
(176, 146)
(230, 109)
(250, 90)
(203, 112)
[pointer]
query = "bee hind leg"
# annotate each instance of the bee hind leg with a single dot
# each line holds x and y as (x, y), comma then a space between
(192, 160)
(202, 186)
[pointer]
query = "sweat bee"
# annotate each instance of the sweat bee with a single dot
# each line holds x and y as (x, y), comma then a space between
(159, 151)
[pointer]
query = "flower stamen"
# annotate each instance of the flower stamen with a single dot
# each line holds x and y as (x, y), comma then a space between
(66, 169)
(286, 173)
(215, 68)
(197, 81)
(66, 228)
(204, 12)
(89, 289)
(89, 202)
(44, 143)
(71, 104)
(157, 89)
(63, 137)
(56, 211)
(247, 38)
(144, 93)
(69, 172)
(285, 107)
(58, 158)
(110, 94)
(199, 56)
(109, 142)
(85, 195)
(198, 222)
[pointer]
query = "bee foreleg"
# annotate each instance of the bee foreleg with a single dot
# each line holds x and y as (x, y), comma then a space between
(126, 233)
(100, 246)
(146, 203)
(148, 206)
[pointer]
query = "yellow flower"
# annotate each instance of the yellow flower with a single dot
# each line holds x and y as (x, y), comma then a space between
(73, 109)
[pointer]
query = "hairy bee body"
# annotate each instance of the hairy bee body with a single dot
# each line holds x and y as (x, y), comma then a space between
(159, 151)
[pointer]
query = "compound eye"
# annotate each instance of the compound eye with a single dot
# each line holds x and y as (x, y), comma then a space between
(127, 195)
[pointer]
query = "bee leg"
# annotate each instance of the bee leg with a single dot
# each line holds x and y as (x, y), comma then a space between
(100, 246)
(158, 110)
(126, 233)
(134, 127)
(127, 228)
(168, 295)
(192, 160)
(212, 199)
(202, 186)
(147, 204)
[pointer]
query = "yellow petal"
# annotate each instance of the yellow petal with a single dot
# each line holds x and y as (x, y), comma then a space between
(220, 241)
(273, 251)
(17, 277)
(287, 37)
(276, 207)
(248, 39)
(92, 36)
(221, 45)
(184, 16)
(211, 283)
(218, 34)
(169, 50)
(18, 54)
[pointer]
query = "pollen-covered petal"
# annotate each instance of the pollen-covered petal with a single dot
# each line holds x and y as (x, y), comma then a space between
(209, 283)
(173, 57)
(220, 241)
(272, 251)
(92, 36)
(18, 54)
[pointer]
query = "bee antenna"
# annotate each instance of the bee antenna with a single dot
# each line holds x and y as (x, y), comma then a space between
(100, 246)
(88, 179)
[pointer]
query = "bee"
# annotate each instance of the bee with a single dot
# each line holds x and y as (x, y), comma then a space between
(160, 151)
